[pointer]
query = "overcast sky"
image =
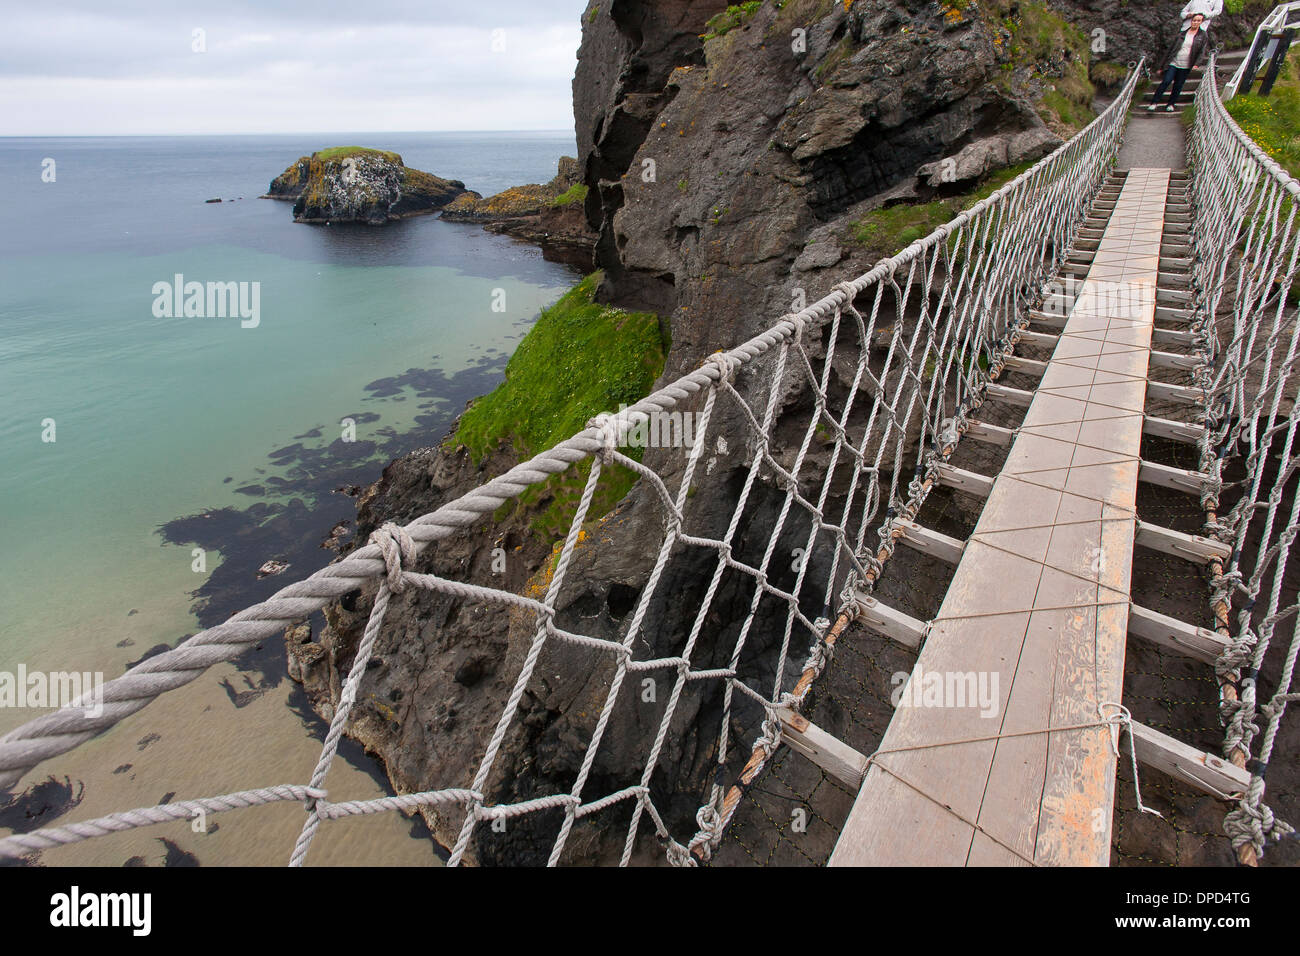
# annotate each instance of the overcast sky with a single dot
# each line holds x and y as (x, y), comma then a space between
(125, 67)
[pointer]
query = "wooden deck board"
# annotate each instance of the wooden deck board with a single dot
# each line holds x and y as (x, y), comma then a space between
(1038, 608)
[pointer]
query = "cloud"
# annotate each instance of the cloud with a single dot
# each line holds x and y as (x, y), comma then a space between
(288, 66)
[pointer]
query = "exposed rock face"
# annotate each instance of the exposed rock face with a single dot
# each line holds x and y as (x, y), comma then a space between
(1133, 30)
(722, 177)
(360, 185)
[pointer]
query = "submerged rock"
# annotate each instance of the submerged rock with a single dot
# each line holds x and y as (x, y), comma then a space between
(356, 184)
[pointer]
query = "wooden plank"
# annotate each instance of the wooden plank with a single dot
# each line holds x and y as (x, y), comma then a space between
(890, 622)
(968, 481)
(1175, 431)
(1028, 366)
(992, 434)
(1044, 339)
(1050, 319)
(1016, 396)
(1198, 643)
(1204, 771)
(1178, 479)
(1189, 546)
(831, 754)
(1172, 337)
(1164, 392)
(1173, 360)
(929, 542)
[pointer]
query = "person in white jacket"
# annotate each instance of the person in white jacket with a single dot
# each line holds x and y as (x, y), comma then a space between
(1206, 8)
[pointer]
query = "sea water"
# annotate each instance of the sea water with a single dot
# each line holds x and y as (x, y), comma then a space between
(151, 463)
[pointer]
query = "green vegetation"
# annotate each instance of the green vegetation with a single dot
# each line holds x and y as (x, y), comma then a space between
(580, 359)
(340, 152)
(1273, 121)
(730, 18)
(1073, 115)
(575, 193)
(885, 231)
(593, 13)
(1042, 40)
(843, 50)
(1108, 77)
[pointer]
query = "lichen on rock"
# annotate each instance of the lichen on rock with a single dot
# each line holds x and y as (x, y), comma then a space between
(358, 184)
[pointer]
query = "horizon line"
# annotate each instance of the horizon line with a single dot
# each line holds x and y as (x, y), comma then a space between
(389, 132)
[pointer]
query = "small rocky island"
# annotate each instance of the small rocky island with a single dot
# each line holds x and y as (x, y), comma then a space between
(357, 184)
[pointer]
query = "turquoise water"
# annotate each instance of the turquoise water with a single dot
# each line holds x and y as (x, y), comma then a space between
(177, 433)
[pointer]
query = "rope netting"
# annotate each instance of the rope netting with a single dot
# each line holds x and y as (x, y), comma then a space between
(839, 417)
(1244, 318)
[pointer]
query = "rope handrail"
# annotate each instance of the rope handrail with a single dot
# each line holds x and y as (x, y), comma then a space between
(973, 281)
(1247, 247)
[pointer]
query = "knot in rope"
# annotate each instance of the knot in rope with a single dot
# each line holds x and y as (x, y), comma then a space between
(607, 425)
(850, 292)
(850, 602)
(678, 855)
(948, 434)
(1254, 823)
(1236, 655)
(397, 548)
(799, 323)
(1222, 585)
(819, 655)
(1122, 719)
(724, 363)
(710, 821)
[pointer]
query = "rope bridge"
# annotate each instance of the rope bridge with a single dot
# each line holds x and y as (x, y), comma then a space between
(876, 382)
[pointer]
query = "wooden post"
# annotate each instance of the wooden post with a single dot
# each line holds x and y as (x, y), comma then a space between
(1279, 57)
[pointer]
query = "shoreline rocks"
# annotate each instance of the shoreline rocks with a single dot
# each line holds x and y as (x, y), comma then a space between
(357, 184)
(548, 215)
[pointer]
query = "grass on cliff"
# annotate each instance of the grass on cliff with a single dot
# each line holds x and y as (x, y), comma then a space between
(1041, 37)
(884, 232)
(730, 18)
(575, 193)
(1273, 121)
(580, 359)
(341, 152)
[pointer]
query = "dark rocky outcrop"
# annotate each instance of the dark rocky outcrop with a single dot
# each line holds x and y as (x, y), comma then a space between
(549, 215)
(517, 202)
(355, 184)
(722, 175)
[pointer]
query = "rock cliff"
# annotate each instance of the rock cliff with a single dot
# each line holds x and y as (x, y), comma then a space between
(356, 184)
(730, 156)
